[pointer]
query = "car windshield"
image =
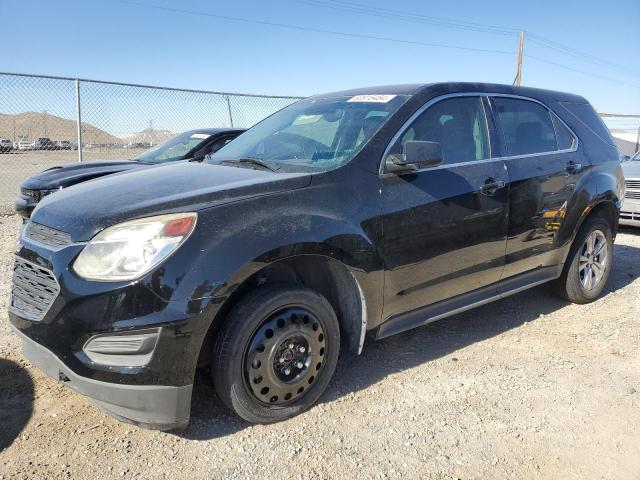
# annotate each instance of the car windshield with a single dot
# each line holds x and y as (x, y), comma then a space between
(312, 135)
(173, 149)
(636, 157)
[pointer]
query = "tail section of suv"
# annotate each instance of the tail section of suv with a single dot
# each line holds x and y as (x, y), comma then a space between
(372, 210)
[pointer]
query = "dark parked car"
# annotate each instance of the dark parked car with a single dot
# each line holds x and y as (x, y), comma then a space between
(6, 145)
(44, 143)
(379, 210)
(192, 145)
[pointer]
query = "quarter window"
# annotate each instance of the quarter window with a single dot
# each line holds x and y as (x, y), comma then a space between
(566, 140)
(527, 126)
(458, 125)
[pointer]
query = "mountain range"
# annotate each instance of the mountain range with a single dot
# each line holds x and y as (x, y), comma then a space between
(33, 125)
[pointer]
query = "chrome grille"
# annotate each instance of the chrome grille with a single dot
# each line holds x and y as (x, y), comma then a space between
(36, 195)
(632, 194)
(633, 184)
(46, 235)
(624, 215)
(34, 290)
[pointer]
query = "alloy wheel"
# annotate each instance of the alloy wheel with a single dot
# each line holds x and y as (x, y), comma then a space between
(593, 262)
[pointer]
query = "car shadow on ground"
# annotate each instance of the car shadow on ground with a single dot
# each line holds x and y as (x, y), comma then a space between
(628, 230)
(16, 401)
(210, 419)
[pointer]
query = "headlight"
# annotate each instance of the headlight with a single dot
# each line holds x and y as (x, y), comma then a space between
(131, 249)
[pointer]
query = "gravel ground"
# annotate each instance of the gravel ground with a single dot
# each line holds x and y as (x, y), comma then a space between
(528, 387)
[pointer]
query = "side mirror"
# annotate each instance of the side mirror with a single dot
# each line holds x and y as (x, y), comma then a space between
(416, 154)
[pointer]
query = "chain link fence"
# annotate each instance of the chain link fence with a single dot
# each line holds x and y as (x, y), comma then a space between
(48, 121)
(625, 130)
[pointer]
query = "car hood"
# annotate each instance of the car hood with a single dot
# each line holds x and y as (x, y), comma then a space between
(631, 169)
(72, 173)
(85, 209)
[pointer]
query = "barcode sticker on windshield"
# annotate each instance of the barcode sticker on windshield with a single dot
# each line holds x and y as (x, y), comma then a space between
(372, 98)
(200, 135)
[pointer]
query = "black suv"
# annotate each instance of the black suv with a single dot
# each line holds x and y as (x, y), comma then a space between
(373, 210)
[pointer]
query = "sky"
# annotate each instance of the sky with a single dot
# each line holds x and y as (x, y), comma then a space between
(285, 47)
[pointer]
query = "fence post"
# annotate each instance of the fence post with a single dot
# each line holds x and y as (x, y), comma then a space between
(229, 109)
(78, 120)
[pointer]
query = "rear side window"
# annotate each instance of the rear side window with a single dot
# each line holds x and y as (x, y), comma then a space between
(527, 126)
(566, 140)
(458, 125)
(588, 116)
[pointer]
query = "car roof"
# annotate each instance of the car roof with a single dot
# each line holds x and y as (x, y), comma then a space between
(443, 88)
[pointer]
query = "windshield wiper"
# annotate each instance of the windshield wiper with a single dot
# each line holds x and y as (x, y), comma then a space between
(252, 161)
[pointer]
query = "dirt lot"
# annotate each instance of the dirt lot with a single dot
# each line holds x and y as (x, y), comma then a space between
(18, 165)
(528, 387)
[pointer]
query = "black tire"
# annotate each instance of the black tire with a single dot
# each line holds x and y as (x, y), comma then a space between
(570, 285)
(292, 315)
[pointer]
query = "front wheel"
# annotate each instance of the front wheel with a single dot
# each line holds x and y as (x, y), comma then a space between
(276, 353)
(589, 263)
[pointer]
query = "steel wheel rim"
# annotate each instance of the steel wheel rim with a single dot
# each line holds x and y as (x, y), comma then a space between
(593, 262)
(285, 356)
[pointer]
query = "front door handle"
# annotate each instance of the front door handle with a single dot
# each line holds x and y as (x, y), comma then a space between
(573, 167)
(491, 185)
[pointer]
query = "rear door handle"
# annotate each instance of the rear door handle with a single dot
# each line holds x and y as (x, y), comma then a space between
(573, 167)
(491, 185)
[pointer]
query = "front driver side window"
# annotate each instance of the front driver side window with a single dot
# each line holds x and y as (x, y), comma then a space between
(458, 125)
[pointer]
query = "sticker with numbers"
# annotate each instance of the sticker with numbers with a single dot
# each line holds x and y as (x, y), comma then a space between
(372, 98)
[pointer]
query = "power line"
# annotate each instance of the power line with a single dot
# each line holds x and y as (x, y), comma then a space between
(360, 36)
(311, 29)
(408, 16)
(546, 43)
(559, 65)
(404, 15)
(463, 23)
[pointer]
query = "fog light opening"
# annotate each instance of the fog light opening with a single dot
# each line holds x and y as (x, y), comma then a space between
(126, 349)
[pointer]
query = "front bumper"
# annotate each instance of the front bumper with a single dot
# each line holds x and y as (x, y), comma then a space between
(24, 206)
(150, 406)
(57, 313)
(630, 213)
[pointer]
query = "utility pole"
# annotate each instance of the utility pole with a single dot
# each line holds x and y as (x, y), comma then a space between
(44, 123)
(519, 74)
(78, 121)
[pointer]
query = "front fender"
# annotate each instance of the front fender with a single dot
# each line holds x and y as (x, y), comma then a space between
(230, 244)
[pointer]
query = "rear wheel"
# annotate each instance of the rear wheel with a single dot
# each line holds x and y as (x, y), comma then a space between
(276, 353)
(589, 262)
